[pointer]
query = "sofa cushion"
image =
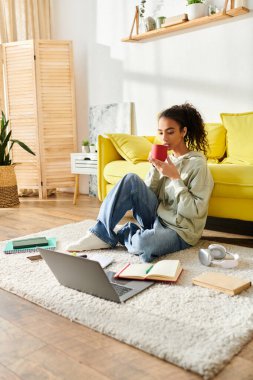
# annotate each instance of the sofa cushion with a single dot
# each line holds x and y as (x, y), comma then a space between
(132, 148)
(232, 181)
(216, 136)
(239, 128)
(115, 170)
(136, 148)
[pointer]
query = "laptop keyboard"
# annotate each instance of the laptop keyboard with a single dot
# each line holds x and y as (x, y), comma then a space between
(121, 290)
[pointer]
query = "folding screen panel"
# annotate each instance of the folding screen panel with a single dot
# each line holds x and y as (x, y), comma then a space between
(41, 108)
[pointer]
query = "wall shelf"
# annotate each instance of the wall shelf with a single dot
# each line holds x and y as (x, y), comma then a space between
(188, 24)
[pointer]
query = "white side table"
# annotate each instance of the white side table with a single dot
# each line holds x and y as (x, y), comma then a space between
(82, 163)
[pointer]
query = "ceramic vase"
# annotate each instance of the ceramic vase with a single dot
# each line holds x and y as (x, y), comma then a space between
(92, 149)
(85, 149)
(196, 11)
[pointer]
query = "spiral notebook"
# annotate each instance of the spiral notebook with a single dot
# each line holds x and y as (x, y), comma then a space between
(9, 247)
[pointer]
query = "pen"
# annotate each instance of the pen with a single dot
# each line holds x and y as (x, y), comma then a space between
(149, 269)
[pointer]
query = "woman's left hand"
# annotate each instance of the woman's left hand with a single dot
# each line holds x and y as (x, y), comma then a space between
(168, 169)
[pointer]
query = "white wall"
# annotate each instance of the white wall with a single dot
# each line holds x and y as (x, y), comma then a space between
(209, 66)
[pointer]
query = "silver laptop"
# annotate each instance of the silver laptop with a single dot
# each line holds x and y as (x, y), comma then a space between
(88, 276)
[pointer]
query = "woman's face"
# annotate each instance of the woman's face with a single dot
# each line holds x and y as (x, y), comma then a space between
(170, 133)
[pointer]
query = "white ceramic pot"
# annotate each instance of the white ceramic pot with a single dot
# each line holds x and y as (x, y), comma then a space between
(85, 149)
(196, 11)
(92, 149)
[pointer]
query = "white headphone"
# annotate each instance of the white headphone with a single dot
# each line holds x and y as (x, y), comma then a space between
(214, 255)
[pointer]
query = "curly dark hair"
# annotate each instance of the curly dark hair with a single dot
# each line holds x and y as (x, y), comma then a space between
(188, 116)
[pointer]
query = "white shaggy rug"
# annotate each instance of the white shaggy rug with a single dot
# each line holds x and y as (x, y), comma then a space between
(192, 327)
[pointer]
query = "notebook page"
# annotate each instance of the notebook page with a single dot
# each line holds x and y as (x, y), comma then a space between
(165, 268)
(136, 270)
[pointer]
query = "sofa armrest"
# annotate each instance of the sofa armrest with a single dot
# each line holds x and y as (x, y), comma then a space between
(106, 154)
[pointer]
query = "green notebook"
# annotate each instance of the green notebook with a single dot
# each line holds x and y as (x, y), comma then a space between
(9, 247)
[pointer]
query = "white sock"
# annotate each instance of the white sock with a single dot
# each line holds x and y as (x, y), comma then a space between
(87, 243)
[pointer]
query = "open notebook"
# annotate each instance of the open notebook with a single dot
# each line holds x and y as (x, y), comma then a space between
(164, 270)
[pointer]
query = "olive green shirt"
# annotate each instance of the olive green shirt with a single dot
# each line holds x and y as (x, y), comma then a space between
(183, 203)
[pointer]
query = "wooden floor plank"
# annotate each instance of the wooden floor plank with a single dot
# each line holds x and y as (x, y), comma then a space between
(239, 369)
(36, 343)
(50, 363)
(6, 374)
(15, 343)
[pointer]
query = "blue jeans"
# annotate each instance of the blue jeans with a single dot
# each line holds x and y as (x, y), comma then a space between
(150, 239)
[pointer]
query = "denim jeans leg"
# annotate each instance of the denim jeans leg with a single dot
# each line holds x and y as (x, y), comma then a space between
(131, 193)
(128, 230)
(152, 243)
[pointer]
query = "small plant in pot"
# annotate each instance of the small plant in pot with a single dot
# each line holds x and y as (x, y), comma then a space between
(8, 181)
(85, 146)
(92, 148)
(195, 9)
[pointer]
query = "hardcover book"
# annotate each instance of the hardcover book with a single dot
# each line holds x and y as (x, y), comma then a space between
(222, 282)
(30, 242)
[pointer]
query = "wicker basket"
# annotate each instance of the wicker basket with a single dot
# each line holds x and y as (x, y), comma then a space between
(8, 187)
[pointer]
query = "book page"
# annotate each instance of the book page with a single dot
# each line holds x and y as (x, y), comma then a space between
(166, 268)
(136, 270)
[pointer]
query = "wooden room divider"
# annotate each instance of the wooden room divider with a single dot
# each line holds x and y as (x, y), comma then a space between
(1, 81)
(40, 104)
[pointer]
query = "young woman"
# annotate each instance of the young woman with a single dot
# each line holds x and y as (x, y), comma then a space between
(171, 205)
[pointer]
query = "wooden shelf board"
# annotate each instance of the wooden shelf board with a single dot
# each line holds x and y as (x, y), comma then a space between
(188, 24)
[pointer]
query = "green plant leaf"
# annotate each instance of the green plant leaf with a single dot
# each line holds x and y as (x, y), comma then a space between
(4, 126)
(194, 2)
(6, 140)
(23, 145)
(1, 156)
(7, 159)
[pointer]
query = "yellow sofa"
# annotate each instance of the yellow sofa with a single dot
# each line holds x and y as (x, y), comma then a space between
(232, 196)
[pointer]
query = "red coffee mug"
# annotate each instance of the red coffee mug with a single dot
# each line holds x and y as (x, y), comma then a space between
(159, 152)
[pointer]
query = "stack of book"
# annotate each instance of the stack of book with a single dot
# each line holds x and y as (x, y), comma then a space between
(30, 245)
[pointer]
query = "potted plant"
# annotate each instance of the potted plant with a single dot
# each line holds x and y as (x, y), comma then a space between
(8, 182)
(85, 146)
(195, 9)
(92, 148)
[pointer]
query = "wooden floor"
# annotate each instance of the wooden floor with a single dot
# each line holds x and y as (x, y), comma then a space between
(37, 344)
